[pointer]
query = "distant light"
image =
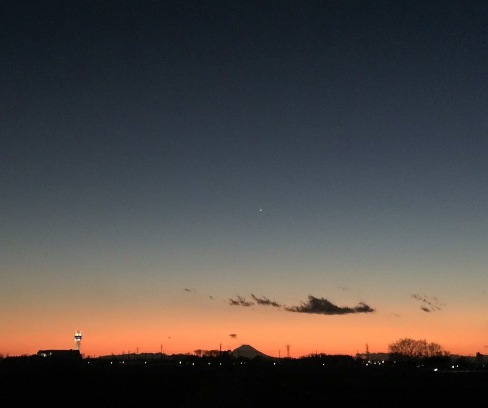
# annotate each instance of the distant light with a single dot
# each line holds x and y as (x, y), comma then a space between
(435, 369)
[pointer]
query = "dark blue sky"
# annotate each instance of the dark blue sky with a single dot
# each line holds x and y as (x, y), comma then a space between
(229, 138)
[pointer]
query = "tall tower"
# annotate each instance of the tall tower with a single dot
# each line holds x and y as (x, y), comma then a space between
(77, 340)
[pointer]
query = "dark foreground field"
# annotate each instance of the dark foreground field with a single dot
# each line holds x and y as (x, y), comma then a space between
(248, 385)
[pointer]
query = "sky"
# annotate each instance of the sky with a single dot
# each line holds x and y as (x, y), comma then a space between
(186, 175)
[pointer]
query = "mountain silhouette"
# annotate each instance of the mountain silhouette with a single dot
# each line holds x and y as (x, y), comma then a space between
(248, 351)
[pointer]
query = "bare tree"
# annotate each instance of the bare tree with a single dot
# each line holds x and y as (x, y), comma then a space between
(413, 349)
(435, 350)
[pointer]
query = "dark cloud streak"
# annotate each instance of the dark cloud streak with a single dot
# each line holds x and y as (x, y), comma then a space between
(324, 306)
(429, 304)
(264, 301)
(240, 301)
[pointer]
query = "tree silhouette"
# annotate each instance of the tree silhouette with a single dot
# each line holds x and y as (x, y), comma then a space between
(415, 349)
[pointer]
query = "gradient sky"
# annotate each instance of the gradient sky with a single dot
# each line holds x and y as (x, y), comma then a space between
(189, 174)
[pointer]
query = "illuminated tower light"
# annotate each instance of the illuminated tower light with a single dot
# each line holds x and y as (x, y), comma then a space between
(77, 340)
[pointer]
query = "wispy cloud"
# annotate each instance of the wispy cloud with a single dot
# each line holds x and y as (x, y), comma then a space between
(264, 301)
(323, 306)
(314, 305)
(429, 304)
(195, 292)
(240, 301)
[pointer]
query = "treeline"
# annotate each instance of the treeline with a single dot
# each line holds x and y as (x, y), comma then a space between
(406, 352)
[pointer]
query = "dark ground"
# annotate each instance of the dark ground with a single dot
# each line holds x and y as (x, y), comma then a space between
(237, 385)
